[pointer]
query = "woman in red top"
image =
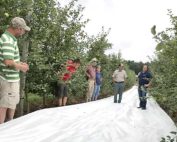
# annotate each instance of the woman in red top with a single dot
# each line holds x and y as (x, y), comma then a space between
(71, 68)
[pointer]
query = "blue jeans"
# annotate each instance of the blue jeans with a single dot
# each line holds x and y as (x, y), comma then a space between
(142, 97)
(118, 89)
(96, 92)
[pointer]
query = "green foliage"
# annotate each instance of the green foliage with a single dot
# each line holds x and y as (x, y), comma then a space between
(78, 87)
(34, 99)
(131, 78)
(98, 45)
(10, 9)
(164, 69)
(135, 66)
(35, 102)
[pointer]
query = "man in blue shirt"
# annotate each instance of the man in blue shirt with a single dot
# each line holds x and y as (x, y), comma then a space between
(144, 82)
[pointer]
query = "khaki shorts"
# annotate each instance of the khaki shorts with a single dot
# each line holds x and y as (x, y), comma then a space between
(9, 94)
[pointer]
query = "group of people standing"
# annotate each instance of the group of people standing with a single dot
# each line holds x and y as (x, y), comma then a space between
(144, 82)
(94, 77)
(10, 66)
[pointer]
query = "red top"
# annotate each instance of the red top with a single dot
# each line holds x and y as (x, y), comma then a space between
(71, 69)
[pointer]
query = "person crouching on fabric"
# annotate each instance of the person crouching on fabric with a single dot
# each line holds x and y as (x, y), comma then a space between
(62, 87)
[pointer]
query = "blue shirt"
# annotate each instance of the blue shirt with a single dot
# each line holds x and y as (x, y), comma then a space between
(98, 78)
(144, 78)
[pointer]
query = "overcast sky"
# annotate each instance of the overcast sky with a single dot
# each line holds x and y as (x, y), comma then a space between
(130, 22)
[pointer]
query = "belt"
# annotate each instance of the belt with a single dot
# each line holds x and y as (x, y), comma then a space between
(119, 82)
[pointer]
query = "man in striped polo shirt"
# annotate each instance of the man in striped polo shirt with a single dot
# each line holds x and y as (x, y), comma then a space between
(10, 66)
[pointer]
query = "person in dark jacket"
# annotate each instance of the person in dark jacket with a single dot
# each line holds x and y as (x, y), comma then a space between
(144, 79)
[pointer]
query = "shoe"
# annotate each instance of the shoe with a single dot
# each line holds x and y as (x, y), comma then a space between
(115, 102)
(143, 108)
(139, 107)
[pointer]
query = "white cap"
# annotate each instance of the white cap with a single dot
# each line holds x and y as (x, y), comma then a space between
(18, 22)
(94, 60)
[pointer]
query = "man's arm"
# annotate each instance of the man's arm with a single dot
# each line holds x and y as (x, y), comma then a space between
(87, 72)
(150, 80)
(125, 76)
(147, 85)
(18, 66)
(138, 77)
(113, 77)
(8, 54)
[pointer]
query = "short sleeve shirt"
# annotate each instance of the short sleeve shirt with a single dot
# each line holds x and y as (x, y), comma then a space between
(70, 70)
(119, 76)
(9, 51)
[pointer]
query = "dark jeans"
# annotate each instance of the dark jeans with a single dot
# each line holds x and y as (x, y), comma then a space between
(62, 90)
(118, 89)
(142, 96)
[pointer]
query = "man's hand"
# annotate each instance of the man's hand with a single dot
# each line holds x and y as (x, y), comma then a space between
(24, 67)
(88, 75)
(146, 78)
(146, 85)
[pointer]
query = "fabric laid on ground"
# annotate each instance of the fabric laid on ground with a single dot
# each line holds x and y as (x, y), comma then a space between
(98, 121)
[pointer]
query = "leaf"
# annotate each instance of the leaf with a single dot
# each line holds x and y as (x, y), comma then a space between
(173, 132)
(165, 36)
(153, 30)
(159, 46)
(168, 137)
(162, 140)
(6, 14)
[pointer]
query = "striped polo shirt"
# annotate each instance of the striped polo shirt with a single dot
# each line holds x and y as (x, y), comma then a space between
(9, 51)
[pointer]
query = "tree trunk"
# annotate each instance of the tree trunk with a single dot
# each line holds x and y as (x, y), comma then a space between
(24, 46)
